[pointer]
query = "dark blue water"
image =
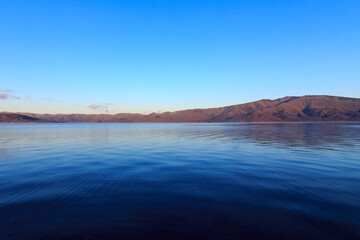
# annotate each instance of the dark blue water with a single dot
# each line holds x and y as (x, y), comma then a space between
(180, 181)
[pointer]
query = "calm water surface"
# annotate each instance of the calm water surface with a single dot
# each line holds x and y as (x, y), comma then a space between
(180, 181)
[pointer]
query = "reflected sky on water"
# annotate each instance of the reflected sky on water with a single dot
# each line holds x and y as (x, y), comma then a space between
(176, 181)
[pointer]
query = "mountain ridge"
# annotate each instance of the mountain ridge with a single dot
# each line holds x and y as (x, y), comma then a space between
(287, 109)
(19, 118)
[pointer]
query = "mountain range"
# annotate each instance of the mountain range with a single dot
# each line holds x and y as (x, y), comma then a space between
(288, 109)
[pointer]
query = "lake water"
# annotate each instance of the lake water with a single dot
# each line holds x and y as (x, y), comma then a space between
(180, 181)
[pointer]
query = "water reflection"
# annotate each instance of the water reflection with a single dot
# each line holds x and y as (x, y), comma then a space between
(176, 181)
(284, 134)
(287, 134)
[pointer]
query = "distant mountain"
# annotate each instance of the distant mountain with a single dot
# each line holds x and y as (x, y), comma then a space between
(287, 109)
(19, 118)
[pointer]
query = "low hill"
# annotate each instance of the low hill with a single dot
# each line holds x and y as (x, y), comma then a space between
(19, 118)
(287, 109)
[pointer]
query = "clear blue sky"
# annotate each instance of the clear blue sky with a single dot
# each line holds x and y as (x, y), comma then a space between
(145, 56)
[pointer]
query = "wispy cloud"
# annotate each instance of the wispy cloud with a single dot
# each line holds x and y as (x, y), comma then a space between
(8, 93)
(48, 99)
(99, 107)
(6, 96)
(7, 90)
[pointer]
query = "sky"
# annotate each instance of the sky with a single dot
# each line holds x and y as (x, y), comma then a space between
(165, 55)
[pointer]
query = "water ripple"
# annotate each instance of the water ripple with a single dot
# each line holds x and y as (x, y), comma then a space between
(176, 181)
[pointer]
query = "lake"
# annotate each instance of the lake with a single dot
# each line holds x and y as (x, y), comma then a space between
(180, 181)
